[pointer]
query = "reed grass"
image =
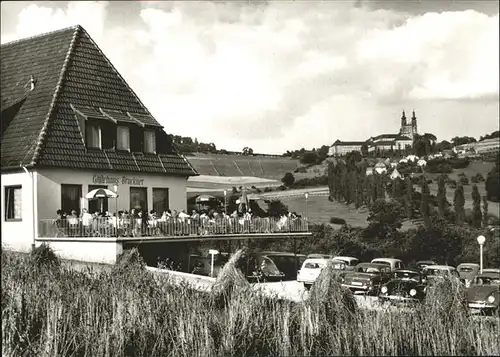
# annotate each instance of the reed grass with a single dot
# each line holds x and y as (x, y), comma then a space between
(50, 310)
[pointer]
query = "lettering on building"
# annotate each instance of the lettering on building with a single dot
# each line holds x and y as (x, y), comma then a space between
(113, 180)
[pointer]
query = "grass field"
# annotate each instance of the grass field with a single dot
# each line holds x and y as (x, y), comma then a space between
(236, 165)
(128, 312)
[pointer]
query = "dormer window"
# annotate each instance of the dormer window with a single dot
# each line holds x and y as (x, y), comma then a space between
(123, 138)
(93, 135)
(149, 142)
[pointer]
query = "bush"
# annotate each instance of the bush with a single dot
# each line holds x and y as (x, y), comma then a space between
(459, 163)
(282, 188)
(464, 180)
(337, 220)
(288, 180)
(267, 189)
(301, 169)
(44, 256)
(308, 157)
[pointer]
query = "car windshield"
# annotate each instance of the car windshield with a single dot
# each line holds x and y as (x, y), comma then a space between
(268, 266)
(339, 266)
(406, 275)
(313, 265)
(484, 280)
(437, 272)
(466, 270)
(368, 270)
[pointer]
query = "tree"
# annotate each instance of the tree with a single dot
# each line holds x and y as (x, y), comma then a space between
(353, 183)
(385, 218)
(364, 149)
(409, 198)
(276, 208)
(493, 182)
(460, 140)
(331, 180)
(485, 211)
(476, 207)
(308, 157)
(247, 151)
(374, 187)
(288, 180)
(322, 154)
(441, 196)
(458, 203)
(424, 202)
(360, 188)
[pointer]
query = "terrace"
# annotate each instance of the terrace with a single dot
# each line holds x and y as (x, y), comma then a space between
(132, 230)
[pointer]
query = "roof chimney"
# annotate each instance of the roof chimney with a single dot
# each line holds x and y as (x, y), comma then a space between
(32, 83)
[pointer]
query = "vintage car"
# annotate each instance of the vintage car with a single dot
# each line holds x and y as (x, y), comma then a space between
(367, 278)
(260, 268)
(202, 265)
(433, 272)
(351, 262)
(483, 295)
(467, 272)
(423, 263)
(287, 263)
(312, 268)
(405, 286)
(391, 262)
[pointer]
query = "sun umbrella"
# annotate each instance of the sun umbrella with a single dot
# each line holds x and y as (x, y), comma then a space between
(100, 193)
(204, 198)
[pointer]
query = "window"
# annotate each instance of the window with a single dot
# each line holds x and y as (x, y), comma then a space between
(160, 200)
(139, 198)
(71, 196)
(149, 141)
(99, 204)
(13, 201)
(123, 138)
(93, 135)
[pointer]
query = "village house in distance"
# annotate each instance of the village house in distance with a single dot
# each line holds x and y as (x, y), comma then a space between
(384, 142)
(71, 124)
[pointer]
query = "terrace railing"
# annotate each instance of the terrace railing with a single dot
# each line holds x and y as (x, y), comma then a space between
(108, 227)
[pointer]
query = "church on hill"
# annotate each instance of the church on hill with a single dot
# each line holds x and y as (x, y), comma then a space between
(403, 140)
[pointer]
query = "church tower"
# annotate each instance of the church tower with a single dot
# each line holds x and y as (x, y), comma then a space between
(414, 124)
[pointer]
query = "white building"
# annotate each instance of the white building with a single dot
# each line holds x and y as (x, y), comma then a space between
(70, 124)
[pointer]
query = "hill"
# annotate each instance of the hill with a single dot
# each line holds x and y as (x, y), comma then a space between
(268, 167)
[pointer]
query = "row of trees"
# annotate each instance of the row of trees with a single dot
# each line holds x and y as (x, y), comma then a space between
(348, 183)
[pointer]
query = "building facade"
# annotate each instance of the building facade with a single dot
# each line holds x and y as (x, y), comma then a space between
(385, 142)
(71, 124)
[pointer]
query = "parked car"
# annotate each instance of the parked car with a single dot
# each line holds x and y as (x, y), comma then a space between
(310, 270)
(351, 262)
(433, 272)
(467, 272)
(287, 263)
(483, 295)
(201, 265)
(367, 278)
(392, 262)
(491, 270)
(405, 286)
(260, 268)
(424, 263)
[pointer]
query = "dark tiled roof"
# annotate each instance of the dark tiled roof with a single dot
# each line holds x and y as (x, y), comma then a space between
(70, 72)
(348, 143)
(385, 142)
(402, 137)
(386, 136)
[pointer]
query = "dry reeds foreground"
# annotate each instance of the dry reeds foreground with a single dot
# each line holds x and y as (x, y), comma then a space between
(48, 310)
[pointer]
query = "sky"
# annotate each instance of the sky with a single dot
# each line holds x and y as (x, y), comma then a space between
(282, 75)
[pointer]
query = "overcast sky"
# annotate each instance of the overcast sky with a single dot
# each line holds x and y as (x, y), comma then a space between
(285, 75)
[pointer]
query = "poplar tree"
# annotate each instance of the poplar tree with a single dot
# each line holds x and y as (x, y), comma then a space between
(374, 188)
(485, 211)
(409, 198)
(331, 179)
(441, 196)
(458, 203)
(476, 207)
(424, 202)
